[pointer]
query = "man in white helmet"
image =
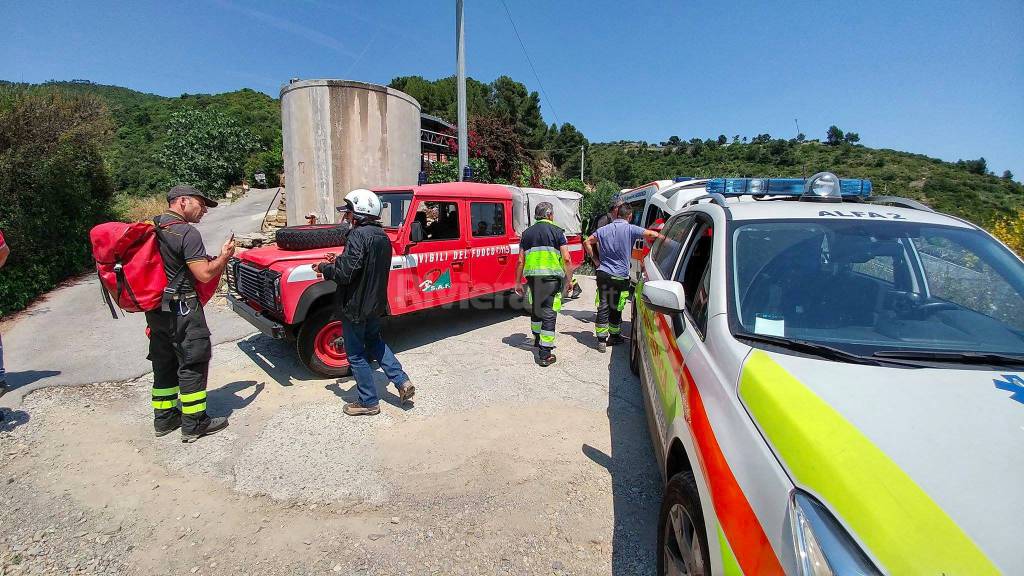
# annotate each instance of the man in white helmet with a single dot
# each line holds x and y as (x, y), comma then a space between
(361, 273)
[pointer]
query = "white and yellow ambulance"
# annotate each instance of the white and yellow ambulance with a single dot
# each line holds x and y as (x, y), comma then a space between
(834, 384)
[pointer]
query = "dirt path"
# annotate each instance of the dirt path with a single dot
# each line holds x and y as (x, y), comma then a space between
(502, 467)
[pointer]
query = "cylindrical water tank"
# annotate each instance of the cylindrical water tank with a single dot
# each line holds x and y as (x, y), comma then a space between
(341, 135)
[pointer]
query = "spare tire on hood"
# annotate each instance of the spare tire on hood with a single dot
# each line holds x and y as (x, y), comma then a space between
(312, 236)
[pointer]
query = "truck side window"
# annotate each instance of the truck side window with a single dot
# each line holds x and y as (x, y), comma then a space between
(440, 220)
(653, 216)
(488, 218)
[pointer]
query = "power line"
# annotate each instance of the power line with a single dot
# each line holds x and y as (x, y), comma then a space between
(527, 54)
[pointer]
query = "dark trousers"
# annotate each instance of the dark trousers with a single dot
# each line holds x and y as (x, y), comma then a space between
(545, 299)
(612, 292)
(363, 344)
(180, 349)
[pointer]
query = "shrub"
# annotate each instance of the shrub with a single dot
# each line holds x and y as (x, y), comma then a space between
(1010, 230)
(53, 186)
(206, 149)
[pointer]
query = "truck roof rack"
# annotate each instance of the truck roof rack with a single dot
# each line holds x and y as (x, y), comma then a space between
(899, 201)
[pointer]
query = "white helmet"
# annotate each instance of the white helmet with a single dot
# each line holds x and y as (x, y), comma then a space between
(362, 202)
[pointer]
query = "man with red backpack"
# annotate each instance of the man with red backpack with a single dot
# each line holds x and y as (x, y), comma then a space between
(179, 344)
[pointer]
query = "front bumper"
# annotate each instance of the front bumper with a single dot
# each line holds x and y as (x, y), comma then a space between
(266, 325)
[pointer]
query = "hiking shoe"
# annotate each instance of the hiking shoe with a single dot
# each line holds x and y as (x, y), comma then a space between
(207, 427)
(406, 393)
(165, 427)
(357, 409)
(602, 346)
(545, 362)
(576, 291)
(536, 340)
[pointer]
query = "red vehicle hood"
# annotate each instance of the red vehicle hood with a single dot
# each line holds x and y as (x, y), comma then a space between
(265, 256)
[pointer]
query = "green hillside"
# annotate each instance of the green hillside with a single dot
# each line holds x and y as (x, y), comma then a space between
(141, 123)
(956, 188)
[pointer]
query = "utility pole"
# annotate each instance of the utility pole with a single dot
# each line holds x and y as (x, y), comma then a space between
(460, 64)
(797, 126)
(583, 158)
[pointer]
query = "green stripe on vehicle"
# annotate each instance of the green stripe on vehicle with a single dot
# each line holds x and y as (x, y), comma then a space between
(730, 567)
(894, 517)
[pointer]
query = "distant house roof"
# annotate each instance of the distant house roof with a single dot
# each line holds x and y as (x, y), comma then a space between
(426, 120)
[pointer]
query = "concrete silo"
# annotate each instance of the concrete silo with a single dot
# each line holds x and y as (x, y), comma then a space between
(340, 135)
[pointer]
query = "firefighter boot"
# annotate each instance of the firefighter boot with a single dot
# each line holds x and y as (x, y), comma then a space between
(165, 422)
(205, 427)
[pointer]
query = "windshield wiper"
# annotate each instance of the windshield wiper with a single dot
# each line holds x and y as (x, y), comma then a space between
(961, 357)
(827, 352)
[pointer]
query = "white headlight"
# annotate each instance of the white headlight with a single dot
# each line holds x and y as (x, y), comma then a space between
(823, 548)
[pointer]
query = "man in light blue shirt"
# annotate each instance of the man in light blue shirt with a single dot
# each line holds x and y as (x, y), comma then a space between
(615, 248)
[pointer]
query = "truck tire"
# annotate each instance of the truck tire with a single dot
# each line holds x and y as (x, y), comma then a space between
(311, 237)
(682, 540)
(318, 347)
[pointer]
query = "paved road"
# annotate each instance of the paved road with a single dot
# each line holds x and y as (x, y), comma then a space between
(69, 338)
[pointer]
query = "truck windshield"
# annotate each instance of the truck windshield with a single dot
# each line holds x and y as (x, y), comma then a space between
(897, 289)
(394, 207)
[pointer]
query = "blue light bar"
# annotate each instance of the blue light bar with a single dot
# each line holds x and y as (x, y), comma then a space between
(683, 178)
(780, 187)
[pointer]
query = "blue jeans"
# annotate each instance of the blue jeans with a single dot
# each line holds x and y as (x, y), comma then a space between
(362, 344)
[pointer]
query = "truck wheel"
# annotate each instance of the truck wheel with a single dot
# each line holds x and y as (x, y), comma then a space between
(634, 342)
(311, 237)
(320, 345)
(682, 540)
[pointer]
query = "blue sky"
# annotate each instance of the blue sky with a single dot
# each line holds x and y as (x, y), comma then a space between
(944, 79)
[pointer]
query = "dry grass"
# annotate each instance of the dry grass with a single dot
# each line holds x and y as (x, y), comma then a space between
(135, 208)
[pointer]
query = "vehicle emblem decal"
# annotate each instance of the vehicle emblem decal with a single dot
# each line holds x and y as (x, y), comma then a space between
(1012, 383)
(436, 280)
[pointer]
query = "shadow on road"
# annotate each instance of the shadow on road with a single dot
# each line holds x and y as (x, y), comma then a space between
(384, 391)
(11, 419)
(636, 482)
(226, 399)
(18, 379)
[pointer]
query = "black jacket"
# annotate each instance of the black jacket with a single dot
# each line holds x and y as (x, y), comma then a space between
(361, 273)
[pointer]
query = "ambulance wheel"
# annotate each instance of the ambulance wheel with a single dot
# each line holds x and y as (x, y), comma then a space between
(682, 540)
(311, 237)
(634, 342)
(320, 345)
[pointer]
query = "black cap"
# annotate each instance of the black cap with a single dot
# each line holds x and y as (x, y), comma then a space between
(186, 190)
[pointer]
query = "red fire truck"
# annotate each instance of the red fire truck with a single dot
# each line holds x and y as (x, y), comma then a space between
(451, 242)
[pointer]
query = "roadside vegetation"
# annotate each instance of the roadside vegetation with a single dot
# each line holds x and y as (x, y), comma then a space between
(73, 154)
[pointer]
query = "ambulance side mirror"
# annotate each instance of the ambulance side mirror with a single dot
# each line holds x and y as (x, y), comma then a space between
(664, 296)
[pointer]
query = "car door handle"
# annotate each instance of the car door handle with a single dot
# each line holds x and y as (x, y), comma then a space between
(457, 264)
(502, 259)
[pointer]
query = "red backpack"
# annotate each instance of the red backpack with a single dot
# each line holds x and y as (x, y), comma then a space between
(130, 267)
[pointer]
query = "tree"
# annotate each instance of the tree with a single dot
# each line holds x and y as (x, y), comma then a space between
(722, 140)
(206, 149)
(851, 138)
(674, 141)
(496, 141)
(761, 139)
(801, 137)
(979, 166)
(834, 136)
(566, 149)
(1007, 175)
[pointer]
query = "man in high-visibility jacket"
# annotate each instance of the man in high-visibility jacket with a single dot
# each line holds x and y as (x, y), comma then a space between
(544, 260)
(615, 245)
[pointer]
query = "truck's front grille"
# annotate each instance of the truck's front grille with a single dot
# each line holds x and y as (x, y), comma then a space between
(254, 283)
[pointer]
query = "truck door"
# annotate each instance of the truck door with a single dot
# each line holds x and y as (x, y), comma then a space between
(493, 263)
(442, 260)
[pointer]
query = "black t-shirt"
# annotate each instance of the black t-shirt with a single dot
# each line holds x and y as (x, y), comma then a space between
(543, 233)
(181, 243)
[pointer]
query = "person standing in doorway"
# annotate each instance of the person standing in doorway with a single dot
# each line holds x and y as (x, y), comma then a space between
(614, 246)
(361, 273)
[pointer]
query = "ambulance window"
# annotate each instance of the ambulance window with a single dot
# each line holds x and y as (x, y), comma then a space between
(666, 252)
(488, 218)
(653, 215)
(695, 274)
(638, 211)
(440, 220)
